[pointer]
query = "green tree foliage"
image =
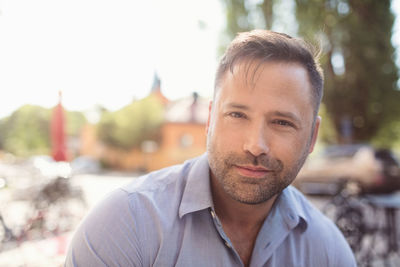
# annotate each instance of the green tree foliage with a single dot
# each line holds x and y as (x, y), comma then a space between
(327, 133)
(360, 73)
(27, 130)
(75, 120)
(242, 15)
(130, 126)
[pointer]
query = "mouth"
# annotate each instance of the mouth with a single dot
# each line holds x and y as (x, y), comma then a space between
(252, 171)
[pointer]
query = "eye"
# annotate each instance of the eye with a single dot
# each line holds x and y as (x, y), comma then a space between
(284, 123)
(237, 115)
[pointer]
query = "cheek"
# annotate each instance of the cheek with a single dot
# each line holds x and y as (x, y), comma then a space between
(287, 148)
(223, 136)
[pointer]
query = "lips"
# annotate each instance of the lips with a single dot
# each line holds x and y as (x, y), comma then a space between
(252, 171)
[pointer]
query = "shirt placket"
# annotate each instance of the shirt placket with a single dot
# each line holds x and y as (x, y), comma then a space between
(225, 238)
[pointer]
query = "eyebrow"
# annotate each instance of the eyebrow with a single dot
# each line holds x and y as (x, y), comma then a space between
(239, 106)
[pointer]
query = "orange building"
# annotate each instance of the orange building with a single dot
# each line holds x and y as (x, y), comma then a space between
(182, 134)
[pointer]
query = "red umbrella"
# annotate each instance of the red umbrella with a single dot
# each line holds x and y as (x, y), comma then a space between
(58, 133)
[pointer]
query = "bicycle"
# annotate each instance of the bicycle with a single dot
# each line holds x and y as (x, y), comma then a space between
(355, 215)
(56, 208)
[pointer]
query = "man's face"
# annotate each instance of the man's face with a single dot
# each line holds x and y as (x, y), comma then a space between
(260, 130)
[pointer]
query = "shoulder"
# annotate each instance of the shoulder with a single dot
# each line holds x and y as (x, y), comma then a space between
(322, 234)
(107, 224)
(161, 180)
(114, 231)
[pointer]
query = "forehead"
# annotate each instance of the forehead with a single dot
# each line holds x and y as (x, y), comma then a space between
(249, 73)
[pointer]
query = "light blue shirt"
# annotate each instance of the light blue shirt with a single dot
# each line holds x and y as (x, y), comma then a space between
(166, 218)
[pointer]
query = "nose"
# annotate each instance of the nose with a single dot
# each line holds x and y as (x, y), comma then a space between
(256, 141)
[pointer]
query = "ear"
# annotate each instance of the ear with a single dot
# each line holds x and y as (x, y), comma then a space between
(209, 117)
(314, 134)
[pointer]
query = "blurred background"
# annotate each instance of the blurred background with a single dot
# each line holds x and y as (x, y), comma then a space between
(94, 93)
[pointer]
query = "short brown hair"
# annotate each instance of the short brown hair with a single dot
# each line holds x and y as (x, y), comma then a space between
(263, 45)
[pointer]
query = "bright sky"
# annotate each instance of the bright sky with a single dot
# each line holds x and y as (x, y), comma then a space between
(106, 51)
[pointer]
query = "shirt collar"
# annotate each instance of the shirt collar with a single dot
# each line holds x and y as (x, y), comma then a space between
(291, 208)
(197, 192)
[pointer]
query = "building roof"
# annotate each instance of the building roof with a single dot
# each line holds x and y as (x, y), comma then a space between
(193, 109)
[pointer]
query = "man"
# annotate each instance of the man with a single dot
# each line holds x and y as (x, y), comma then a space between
(233, 206)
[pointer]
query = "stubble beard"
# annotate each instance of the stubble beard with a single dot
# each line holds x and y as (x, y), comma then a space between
(249, 190)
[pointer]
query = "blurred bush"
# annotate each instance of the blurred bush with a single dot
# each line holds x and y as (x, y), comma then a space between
(128, 127)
